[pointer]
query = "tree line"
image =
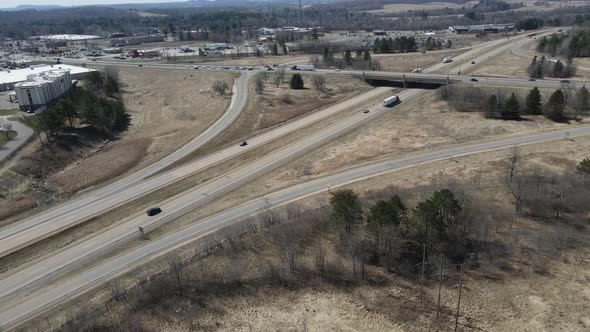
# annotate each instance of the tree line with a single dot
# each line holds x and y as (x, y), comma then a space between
(97, 105)
(573, 44)
(395, 45)
(540, 68)
(562, 104)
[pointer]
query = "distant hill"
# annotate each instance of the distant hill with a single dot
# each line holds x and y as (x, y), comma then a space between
(33, 7)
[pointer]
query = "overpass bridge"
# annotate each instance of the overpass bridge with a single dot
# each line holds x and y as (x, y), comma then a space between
(406, 79)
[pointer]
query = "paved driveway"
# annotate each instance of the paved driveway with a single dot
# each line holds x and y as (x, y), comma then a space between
(23, 133)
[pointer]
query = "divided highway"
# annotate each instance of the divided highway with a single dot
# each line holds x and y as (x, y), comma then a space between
(19, 304)
(67, 289)
(54, 221)
(178, 205)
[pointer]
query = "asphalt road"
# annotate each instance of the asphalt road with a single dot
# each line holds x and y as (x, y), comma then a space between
(172, 209)
(77, 204)
(178, 205)
(66, 289)
(44, 225)
(22, 135)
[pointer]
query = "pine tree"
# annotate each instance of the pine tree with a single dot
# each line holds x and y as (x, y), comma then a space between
(533, 102)
(510, 110)
(554, 109)
(347, 57)
(296, 82)
(491, 109)
(582, 104)
(275, 49)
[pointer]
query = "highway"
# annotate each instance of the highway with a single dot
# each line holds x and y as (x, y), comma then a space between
(44, 225)
(85, 281)
(238, 103)
(178, 205)
(15, 285)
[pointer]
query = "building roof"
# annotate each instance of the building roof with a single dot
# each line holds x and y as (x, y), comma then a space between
(42, 78)
(70, 37)
(21, 75)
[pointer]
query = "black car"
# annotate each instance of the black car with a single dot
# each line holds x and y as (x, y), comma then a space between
(139, 65)
(153, 211)
(532, 79)
(366, 111)
(244, 143)
(472, 62)
(474, 80)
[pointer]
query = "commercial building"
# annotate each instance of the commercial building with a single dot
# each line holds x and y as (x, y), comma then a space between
(40, 89)
(10, 77)
(487, 28)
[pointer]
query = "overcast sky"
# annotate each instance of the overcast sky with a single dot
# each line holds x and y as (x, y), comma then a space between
(14, 3)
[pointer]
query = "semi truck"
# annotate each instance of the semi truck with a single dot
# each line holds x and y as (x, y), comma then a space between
(448, 59)
(391, 101)
(303, 67)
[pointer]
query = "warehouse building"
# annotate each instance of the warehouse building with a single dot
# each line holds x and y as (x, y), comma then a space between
(487, 28)
(10, 77)
(40, 89)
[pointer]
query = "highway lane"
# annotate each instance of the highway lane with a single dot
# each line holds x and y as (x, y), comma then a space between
(238, 103)
(20, 240)
(45, 225)
(67, 289)
(181, 204)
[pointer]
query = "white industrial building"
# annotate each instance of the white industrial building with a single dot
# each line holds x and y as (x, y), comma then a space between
(40, 89)
(10, 77)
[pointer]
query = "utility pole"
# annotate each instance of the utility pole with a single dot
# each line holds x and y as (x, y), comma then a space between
(459, 300)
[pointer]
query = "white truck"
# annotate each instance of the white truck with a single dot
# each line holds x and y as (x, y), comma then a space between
(390, 101)
(303, 67)
(448, 59)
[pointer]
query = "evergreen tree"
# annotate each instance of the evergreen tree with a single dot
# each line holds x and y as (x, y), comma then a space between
(275, 49)
(346, 209)
(347, 57)
(582, 102)
(491, 109)
(510, 110)
(390, 212)
(533, 102)
(296, 82)
(555, 107)
(366, 55)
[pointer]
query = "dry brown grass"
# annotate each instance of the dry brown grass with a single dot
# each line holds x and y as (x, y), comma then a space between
(408, 62)
(105, 165)
(272, 107)
(500, 295)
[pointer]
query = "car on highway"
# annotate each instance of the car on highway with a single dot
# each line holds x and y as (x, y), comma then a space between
(153, 211)
(472, 62)
(140, 65)
(366, 111)
(565, 81)
(474, 80)
(532, 79)
(244, 143)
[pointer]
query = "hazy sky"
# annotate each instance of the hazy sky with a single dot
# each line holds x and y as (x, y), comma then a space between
(14, 3)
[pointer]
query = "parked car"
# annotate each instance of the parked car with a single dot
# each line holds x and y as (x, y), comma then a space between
(153, 211)
(244, 143)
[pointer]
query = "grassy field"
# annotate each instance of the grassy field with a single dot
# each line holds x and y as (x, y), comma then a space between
(6, 138)
(8, 112)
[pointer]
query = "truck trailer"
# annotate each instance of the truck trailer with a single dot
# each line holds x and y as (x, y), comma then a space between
(303, 67)
(391, 101)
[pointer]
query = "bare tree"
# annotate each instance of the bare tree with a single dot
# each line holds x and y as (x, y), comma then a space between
(7, 127)
(277, 80)
(259, 84)
(514, 160)
(282, 74)
(176, 272)
(319, 83)
(220, 87)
